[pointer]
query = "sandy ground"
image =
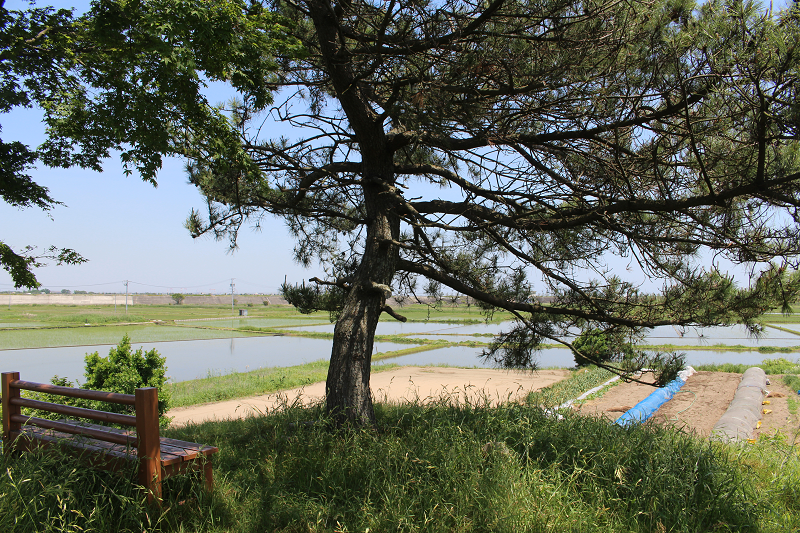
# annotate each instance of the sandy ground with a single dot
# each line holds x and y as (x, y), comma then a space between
(780, 420)
(402, 384)
(696, 408)
(699, 404)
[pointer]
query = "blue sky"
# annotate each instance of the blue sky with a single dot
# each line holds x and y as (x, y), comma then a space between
(129, 230)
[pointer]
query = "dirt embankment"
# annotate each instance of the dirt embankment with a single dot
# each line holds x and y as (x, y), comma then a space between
(699, 404)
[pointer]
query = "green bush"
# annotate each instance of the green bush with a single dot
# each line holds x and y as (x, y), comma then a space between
(592, 346)
(123, 371)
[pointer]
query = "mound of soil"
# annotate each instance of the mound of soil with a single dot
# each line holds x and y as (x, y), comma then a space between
(699, 404)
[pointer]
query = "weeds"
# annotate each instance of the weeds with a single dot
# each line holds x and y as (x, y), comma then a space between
(562, 391)
(438, 467)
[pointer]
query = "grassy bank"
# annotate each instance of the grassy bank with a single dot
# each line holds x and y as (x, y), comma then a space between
(427, 468)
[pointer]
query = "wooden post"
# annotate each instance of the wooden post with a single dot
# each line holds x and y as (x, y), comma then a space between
(149, 446)
(8, 393)
(208, 472)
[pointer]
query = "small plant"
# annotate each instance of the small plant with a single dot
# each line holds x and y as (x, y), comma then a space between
(123, 371)
(178, 297)
(265, 302)
(592, 346)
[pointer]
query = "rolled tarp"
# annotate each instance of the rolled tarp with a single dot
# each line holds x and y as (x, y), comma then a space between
(744, 412)
(647, 407)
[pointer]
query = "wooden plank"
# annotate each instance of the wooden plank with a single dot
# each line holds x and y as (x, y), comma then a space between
(190, 445)
(72, 392)
(149, 446)
(71, 441)
(77, 412)
(107, 447)
(76, 428)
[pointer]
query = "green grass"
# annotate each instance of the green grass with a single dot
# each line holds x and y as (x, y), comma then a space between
(434, 468)
(770, 366)
(577, 383)
(87, 336)
(243, 384)
(793, 403)
(48, 314)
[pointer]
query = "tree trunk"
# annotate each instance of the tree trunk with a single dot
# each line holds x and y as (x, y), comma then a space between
(348, 396)
(347, 389)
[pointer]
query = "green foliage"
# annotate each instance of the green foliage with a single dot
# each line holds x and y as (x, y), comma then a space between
(310, 298)
(792, 381)
(592, 346)
(179, 298)
(124, 371)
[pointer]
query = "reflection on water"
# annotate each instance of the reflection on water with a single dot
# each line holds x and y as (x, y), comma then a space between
(793, 327)
(687, 336)
(198, 358)
(562, 358)
(185, 359)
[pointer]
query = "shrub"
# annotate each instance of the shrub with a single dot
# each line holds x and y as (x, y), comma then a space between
(123, 371)
(179, 298)
(592, 346)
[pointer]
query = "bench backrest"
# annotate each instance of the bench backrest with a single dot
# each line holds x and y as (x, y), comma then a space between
(144, 401)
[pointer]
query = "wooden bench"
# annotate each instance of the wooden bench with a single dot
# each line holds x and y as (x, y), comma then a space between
(106, 447)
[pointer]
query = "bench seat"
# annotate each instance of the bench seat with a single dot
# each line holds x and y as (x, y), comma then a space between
(104, 446)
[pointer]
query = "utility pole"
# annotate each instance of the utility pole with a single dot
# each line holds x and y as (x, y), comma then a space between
(232, 286)
(126, 297)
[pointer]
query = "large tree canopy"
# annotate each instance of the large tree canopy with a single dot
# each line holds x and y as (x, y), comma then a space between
(126, 76)
(480, 143)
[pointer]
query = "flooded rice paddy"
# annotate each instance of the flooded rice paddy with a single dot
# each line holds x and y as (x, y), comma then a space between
(185, 359)
(212, 347)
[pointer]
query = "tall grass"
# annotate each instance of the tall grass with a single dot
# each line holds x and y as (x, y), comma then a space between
(432, 468)
(770, 366)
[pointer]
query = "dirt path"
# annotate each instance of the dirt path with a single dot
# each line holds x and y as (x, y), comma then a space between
(696, 408)
(700, 403)
(402, 384)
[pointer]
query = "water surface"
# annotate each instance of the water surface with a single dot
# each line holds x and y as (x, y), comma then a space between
(185, 359)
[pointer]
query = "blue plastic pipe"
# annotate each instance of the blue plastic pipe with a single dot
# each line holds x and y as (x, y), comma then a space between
(645, 409)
